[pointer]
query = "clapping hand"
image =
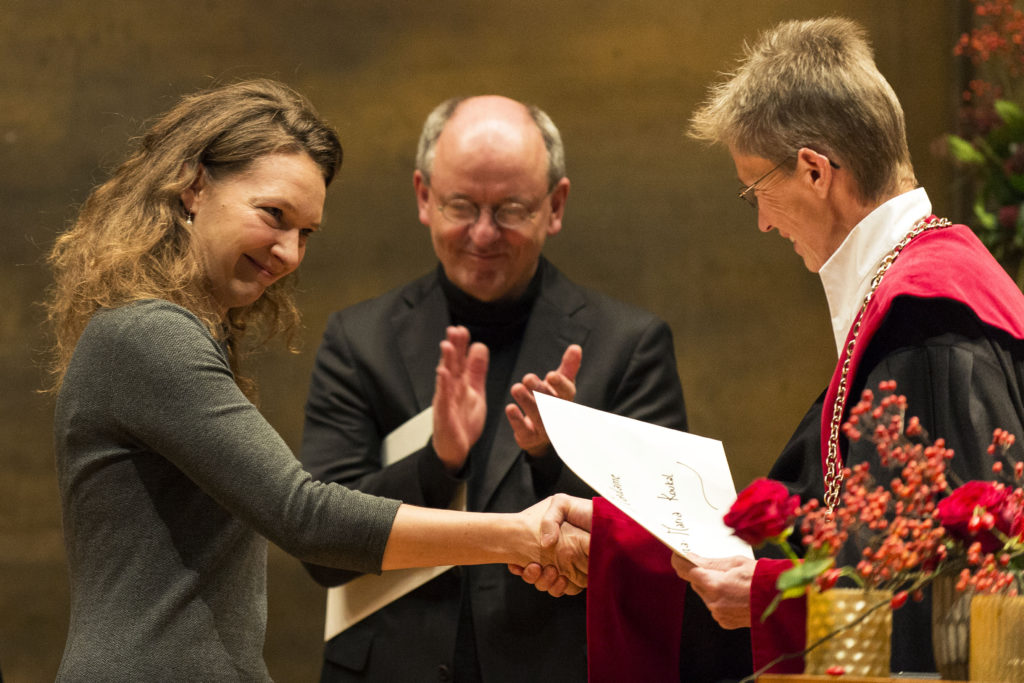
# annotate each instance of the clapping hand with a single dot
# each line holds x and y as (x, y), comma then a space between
(460, 397)
(524, 416)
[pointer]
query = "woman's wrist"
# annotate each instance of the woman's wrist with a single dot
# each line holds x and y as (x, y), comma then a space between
(424, 537)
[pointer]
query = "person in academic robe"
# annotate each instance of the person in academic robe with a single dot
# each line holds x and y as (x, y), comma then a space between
(491, 187)
(818, 139)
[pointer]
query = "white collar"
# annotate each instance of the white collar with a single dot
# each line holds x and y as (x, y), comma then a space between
(848, 272)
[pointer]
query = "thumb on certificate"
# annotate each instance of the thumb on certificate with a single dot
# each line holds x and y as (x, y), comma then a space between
(684, 565)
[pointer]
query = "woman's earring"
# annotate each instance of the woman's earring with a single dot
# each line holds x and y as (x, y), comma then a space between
(188, 220)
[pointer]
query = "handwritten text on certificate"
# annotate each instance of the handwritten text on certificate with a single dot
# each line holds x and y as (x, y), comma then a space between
(674, 484)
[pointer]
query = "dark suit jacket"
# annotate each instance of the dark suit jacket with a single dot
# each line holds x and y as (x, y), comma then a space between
(374, 370)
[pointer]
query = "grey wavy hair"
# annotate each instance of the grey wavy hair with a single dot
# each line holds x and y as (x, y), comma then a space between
(813, 84)
(438, 118)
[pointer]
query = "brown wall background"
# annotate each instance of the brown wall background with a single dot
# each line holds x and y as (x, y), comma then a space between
(652, 216)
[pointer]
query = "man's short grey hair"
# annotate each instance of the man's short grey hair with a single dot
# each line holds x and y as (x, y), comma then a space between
(438, 118)
(813, 84)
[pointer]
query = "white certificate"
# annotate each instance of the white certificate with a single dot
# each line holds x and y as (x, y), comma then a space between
(674, 484)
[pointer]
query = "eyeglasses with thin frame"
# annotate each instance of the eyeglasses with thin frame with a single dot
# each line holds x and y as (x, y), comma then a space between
(509, 215)
(750, 197)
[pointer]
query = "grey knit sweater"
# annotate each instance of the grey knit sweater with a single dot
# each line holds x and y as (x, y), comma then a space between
(170, 479)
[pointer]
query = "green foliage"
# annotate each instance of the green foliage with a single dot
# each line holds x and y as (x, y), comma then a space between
(995, 159)
(964, 151)
(795, 580)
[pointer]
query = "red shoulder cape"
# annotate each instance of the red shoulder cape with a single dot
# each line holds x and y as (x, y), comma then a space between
(947, 263)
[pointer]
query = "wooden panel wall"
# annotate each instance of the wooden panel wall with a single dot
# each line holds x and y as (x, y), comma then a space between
(652, 216)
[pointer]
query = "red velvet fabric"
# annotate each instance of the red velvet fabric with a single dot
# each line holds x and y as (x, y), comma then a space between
(634, 602)
(783, 631)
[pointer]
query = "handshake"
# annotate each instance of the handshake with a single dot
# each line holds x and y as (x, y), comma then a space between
(560, 559)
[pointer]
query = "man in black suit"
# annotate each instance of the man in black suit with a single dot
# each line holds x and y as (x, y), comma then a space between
(490, 185)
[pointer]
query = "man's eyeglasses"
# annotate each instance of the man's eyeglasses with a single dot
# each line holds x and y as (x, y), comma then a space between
(750, 197)
(510, 215)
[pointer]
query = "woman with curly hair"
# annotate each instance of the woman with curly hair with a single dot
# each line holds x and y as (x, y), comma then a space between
(170, 479)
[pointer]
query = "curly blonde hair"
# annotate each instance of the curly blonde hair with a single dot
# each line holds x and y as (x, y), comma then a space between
(130, 240)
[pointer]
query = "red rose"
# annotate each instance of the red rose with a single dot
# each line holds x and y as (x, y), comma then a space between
(762, 511)
(957, 510)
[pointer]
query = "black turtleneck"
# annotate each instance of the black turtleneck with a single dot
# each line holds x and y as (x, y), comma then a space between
(499, 325)
(497, 322)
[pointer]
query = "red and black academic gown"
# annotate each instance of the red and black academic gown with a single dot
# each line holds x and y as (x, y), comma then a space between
(946, 323)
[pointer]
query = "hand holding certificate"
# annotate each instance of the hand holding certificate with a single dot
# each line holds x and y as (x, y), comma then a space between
(674, 484)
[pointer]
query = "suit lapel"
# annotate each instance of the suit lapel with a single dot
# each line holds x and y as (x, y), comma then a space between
(420, 327)
(550, 330)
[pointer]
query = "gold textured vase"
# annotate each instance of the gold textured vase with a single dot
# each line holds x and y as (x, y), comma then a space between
(997, 639)
(951, 622)
(862, 649)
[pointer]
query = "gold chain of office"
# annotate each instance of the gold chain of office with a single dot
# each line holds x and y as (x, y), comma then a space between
(833, 465)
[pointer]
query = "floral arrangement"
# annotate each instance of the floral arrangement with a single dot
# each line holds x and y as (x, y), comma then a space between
(992, 126)
(911, 528)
